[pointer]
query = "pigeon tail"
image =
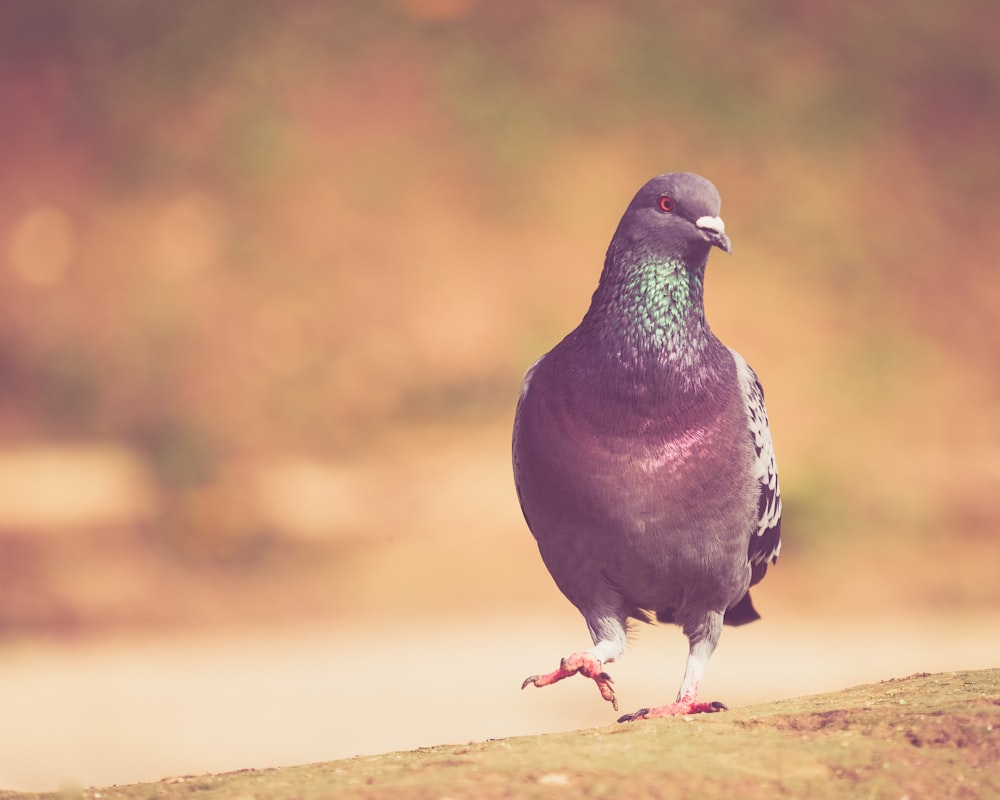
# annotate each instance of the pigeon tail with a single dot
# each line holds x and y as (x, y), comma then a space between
(742, 612)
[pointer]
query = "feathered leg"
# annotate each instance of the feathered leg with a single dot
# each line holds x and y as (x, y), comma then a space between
(703, 639)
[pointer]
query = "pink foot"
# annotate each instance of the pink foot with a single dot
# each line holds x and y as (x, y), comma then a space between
(586, 665)
(681, 708)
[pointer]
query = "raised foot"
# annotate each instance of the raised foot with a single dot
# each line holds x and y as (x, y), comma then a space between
(679, 709)
(586, 665)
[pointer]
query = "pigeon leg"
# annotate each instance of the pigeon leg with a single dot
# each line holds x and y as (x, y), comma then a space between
(703, 643)
(680, 708)
(588, 665)
(609, 642)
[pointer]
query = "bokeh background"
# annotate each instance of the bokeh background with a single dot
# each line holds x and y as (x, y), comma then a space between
(270, 275)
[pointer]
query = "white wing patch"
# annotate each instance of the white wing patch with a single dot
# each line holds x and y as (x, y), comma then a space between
(766, 545)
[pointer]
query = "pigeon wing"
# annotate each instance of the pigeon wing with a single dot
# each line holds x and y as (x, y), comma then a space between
(517, 430)
(765, 540)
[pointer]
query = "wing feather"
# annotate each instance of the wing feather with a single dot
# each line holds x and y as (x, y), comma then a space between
(765, 542)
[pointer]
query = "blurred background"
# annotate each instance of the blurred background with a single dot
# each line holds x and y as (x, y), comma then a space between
(271, 274)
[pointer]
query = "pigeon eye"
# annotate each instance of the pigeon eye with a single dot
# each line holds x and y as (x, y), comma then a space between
(666, 204)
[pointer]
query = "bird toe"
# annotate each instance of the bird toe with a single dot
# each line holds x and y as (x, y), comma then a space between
(681, 708)
(636, 715)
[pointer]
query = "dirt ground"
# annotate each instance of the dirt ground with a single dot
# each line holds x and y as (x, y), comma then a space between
(920, 736)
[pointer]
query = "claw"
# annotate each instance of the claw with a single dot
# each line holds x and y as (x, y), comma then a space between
(604, 685)
(640, 714)
(679, 709)
(586, 665)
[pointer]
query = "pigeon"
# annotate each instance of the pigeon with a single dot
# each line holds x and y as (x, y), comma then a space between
(642, 455)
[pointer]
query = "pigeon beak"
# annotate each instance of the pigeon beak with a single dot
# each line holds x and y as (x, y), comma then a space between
(714, 231)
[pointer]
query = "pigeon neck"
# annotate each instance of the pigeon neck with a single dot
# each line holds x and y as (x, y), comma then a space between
(650, 311)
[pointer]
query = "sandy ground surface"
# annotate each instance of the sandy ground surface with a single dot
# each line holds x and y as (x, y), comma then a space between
(131, 709)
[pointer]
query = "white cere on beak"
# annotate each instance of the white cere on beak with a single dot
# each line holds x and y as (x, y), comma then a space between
(714, 224)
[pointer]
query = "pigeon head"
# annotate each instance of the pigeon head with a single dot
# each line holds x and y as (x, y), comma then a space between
(675, 215)
(649, 300)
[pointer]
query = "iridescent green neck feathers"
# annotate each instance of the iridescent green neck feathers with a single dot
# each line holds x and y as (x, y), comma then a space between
(653, 308)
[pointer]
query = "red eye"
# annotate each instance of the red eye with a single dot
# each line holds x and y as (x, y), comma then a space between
(666, 204)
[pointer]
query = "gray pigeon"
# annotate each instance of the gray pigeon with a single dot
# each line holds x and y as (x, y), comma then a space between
(642, 454)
